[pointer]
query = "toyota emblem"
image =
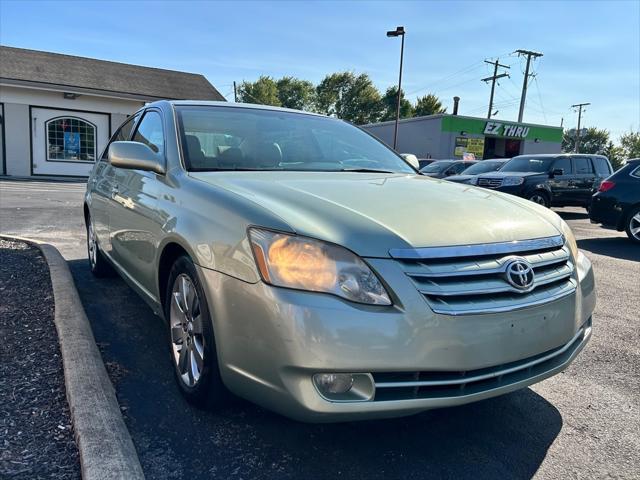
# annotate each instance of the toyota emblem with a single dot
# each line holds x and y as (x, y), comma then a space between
(520, 274)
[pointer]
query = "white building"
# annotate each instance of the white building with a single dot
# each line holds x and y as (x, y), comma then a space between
(59, 111)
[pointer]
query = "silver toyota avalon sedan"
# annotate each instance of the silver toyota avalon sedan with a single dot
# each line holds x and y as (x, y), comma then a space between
(303, 265)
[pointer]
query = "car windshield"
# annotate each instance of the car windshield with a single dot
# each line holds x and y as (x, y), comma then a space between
(436, 167)
(227, 138)
(526, 163)
(483, 167)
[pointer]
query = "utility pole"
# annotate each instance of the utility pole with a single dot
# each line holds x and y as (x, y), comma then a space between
(493, 81)
(398, 32)
(579, 106)
(523, 97)
(235, 92)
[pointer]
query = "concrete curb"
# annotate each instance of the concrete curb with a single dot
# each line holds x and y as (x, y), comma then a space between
(106, 449)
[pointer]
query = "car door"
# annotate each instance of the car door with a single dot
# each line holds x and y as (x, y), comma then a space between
(133, 218)
(584, 178)
(101, 184)
(560, 185)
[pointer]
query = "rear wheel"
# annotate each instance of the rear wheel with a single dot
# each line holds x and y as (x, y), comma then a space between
(193, 350)
(539, 197)
(99, 265)
(633, 225)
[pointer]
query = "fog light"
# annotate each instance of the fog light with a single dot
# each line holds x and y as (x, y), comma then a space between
(333, 382)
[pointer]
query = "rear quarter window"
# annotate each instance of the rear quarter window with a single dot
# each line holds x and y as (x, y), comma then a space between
(602, 166)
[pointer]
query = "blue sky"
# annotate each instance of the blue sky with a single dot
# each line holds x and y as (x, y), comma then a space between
(591, 48)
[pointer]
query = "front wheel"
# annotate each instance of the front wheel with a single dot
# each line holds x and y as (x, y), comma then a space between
(541, 198)
(193, 350)
(98, 264)
(633, 225)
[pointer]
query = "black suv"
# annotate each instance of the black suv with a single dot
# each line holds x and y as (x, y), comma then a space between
(550, 179)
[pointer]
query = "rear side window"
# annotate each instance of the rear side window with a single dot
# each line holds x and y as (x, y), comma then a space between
(583, 165)
(635, 172)
(564, 164)
(150, 131)
(602, 166)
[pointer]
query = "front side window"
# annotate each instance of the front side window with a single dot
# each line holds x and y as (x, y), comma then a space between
(563, 164)
(582, 165)
(227, 138)
(123, 134)
(70, 139)
(150, 132)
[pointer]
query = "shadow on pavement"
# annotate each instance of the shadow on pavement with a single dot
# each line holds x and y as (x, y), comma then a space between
(505, 437)
(573, 215)
(616, 247)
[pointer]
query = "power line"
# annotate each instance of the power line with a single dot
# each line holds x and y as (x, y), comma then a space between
(540, 97)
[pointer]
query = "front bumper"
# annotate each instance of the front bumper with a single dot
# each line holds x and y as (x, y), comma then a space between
(271, 341)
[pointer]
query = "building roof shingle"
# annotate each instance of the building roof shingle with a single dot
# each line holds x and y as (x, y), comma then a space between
(80, 74)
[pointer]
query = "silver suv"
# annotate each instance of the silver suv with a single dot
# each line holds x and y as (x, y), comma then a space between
(302, 264)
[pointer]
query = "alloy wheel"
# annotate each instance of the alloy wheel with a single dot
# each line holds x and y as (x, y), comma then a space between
(539, 199)
(92, 246)
(634, 226)
(187, 340)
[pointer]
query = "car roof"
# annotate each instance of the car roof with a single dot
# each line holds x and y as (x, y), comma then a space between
(254, 106)
(556, 155)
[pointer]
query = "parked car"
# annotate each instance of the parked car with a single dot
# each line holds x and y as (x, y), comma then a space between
(484, 166)
(616, 204)
(425, 161)
(283, 251)
(550, 179)
(446, 168)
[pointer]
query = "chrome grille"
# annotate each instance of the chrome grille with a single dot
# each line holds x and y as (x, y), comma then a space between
(489, 182)
(472, 279)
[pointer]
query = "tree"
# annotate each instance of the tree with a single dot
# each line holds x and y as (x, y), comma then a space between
(296, 93)
(630, 145)
(350, 97)
(428, 105)
(263, 91)
(594, 141)
(615, 155)
(390, 105)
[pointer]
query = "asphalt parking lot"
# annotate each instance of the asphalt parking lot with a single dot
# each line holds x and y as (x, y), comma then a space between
(584, 423)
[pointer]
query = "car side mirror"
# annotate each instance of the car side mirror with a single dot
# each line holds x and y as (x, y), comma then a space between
(135, 156)
(411, 159)
(557, 171)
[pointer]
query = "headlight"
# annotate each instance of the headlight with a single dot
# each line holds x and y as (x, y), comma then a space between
(510, 181)
(473, 181)
(307, 264)
(569, 238)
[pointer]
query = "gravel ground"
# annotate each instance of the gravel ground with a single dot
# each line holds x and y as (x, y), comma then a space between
(36, 436)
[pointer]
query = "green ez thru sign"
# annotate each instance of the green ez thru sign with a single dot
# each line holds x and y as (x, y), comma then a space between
(506, 130)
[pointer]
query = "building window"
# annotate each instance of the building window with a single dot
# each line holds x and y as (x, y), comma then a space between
(71, 139)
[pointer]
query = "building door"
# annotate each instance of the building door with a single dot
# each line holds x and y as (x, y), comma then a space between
(65, 142)
(3, 163)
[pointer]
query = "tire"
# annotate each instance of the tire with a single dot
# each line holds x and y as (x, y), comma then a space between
(539, 197)
(632, 226)
(191, 339)
(98, 264)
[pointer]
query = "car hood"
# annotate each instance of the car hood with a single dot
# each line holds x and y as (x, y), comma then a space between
(370, 213)
(510, 174)
(459, 178)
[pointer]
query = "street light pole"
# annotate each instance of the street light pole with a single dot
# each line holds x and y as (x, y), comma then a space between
(398, 32)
